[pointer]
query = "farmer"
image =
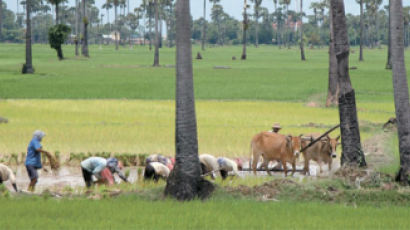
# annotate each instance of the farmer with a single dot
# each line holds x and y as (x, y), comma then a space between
(276, 127)
(169, 162)
(33, 158)
(6, 174)
(227, 165)
(102, 169)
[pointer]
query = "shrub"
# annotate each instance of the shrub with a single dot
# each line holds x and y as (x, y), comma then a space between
(57, 35)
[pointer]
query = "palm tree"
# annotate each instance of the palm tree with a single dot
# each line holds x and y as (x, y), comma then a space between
(401, 91)
(157, 38)
(77, 37)
(333, 86)
(352, 153)
(185, 182)
(244, 29)
(286, 3)
(302, 49)
(1, 21)
(204, 28)
(28, 66)
(133, 23)
(217, 15)
(275, 2)
(107, 6)
(116, 3)
(84, 47)
(56, 5)
(257, 8)
(361, 30)
(389, 63)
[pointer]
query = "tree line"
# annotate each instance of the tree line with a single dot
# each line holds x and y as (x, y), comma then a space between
(281, 26)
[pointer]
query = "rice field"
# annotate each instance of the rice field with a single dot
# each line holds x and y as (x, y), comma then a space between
(145, 126)
(116, 102)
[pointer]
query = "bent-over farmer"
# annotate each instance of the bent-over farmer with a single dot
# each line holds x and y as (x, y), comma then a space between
(6, 174)
(96, 165)
(227, 165)
(33, 158)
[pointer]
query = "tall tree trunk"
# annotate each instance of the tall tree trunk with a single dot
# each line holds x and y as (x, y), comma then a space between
(116, 27)
(108, 19)
(204, 28)
(156, 53)
(185, 182)
(401, 91)
(77, 38)
(245, 27)
(160, 31)
(361, 31)
(150, 31)
(389, 64)
(352, 153)
(277, 24)
(302, 48)
(256, 27)
(333, 85)
(57, 14)
(28, 66)
(1, 19)
(60, 53)
(84, 48)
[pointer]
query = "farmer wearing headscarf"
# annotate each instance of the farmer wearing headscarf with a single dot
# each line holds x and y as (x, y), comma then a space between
(103, 169)
(33, 158)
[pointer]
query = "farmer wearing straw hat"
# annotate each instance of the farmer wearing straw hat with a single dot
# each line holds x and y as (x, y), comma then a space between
(33, 158)
(276, 127)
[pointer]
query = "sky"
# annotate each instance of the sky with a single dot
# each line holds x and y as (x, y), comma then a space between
(232, 7)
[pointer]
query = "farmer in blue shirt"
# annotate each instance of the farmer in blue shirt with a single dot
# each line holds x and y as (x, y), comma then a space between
(33, 159)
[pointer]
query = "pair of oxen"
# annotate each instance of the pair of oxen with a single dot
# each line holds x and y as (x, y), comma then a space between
(271, 146)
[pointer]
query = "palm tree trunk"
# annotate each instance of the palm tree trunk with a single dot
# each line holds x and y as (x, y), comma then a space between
(56, 13)
(1, 19)
(150, 31)
(116, 27)
(245, 27)
(361, 31)
(84, 48)
(28, 66)
(257, 28)
(389, 63)
(352, 153)
(302, 48)
(108, 18)
(185, 182)
(401, 91)
(333, 86)
(204, 28)
(76, 27)
(156, 53)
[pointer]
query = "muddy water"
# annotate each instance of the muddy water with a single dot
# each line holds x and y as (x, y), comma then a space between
(72, 177)
(65, 177)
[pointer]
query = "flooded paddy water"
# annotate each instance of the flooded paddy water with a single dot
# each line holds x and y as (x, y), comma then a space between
(71, 176)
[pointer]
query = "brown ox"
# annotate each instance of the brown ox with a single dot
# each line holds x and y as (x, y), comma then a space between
(275, 147)
(322, 151)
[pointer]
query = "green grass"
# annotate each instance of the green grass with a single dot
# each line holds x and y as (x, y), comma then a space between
(268, 74)
(145, 126)
(130, 212)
